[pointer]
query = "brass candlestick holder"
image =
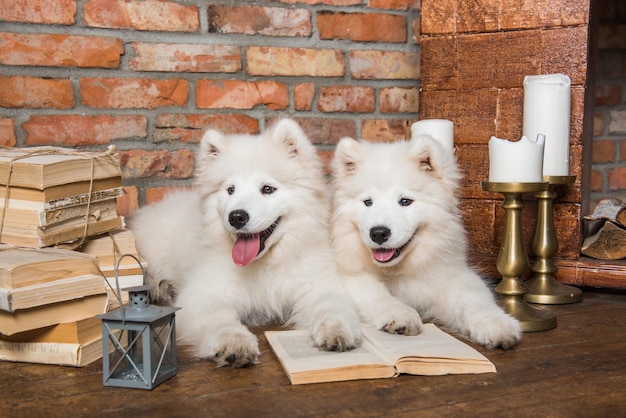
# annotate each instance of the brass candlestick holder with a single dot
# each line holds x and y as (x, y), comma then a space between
(543, 287)
(512, 262)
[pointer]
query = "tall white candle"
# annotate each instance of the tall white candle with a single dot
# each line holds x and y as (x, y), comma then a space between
(547, 107)
(442, 130)
(516, 162)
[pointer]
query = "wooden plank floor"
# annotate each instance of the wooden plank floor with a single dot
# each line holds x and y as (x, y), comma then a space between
(575, 370)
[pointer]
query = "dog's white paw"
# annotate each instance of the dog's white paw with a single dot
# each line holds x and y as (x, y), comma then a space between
(238, 349)
(401, 319)
(502, 331)
(335, 335)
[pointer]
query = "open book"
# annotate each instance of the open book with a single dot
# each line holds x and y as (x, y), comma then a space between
(381, 355)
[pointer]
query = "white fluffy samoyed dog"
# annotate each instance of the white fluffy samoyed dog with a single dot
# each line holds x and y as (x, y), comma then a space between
(400, 243)
(249, 245)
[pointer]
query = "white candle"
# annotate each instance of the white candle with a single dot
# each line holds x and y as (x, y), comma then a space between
(547, 106)
(442, 130)
(516, 162)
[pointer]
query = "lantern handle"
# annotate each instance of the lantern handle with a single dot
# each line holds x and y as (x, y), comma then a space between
(117, 282)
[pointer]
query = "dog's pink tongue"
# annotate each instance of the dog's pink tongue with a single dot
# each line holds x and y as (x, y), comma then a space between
(246, 249)
(383, 254)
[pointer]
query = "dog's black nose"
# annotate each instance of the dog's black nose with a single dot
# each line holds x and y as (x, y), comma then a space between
(238, 218)
(380, 234)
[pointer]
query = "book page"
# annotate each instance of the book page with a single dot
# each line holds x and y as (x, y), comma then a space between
(305, 363)
(437, 351)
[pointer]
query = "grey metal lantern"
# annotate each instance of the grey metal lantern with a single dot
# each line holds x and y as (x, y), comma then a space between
(138, 341)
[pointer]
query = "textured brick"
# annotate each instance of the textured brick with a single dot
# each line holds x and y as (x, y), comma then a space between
(603, 152)
(622, 150)
(190, 128)
(31, 92)
(473, 112)
(346, 99)
(608, 94)
(327, 2)
(460, 16)
(479, 217)
(506, 58)
(416, 26)
(595, 183)
(60, 12)
(473, 160)
(509, 113)
(616, 178)
(477, 16)
(577, 114)
(520, 14)
(395, 4)
(324, 131)
(303, 94)
(7, 132)
(399, 100)
(236, 94)
(156, 194)
(598, 124)
(281, 61)
(128, 202)
(253, 20)
(326, 156)
(438, 16)
(142, 15)
(385, 65)
(610, 64)
(438, 70)
(158, 164)
(75, 130)
(60, 50)
(385, 130)
(564, 50)
(617, 122)
(122, 93)
(364, 27)
(185, 58)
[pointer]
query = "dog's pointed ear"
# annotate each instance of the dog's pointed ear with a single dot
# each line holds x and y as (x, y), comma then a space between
(288, 133)
(347, 154)
(425, 152)
(212, 144)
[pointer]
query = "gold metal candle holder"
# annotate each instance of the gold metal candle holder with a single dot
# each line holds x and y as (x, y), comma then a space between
(542, 287)
(512, 262)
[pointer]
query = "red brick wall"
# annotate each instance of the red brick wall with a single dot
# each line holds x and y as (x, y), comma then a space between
(608, 175)
(150, 76)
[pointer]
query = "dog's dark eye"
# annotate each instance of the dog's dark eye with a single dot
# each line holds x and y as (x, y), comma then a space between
(405, 201)
(230, 189)
(368, 202)
(268, 189)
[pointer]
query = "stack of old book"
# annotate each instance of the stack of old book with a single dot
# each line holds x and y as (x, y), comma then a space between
(50, 297)
(48, 302)
(61, 242)
(51, 196)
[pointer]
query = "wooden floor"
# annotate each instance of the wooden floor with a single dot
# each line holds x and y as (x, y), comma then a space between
(575, 370)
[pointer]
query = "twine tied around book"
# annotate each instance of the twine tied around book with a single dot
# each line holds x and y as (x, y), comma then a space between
(109, 155)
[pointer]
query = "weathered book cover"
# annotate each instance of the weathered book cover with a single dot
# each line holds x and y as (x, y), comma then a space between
(42, 294)
(29, 266)
(76, 332)
(43, 167)
(52, 314)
